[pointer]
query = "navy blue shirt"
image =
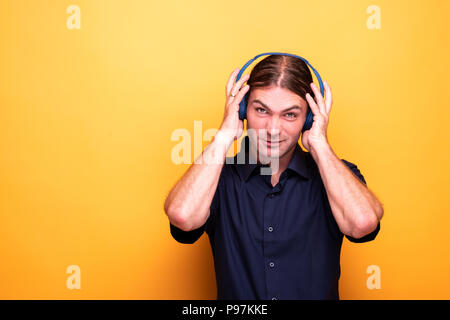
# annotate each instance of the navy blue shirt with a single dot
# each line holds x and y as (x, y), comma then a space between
(273, 242)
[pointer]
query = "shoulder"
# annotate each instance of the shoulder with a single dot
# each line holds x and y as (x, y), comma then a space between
(354, 168)
(351, 165)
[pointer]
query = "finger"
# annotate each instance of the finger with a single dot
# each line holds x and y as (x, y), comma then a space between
(328, 97)
(318, 98)
(231, 81)
(239, 84)
(238, 98)
(312, 104)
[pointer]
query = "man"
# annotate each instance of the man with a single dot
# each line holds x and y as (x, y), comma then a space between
(275, 236)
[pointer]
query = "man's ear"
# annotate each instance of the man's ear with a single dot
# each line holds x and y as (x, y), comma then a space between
(307, 110)
(247, 97)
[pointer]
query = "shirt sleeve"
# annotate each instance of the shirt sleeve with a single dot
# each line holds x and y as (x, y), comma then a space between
(371, 236)
(189, 237)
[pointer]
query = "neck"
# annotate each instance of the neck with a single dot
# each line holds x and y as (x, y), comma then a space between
(277, 165)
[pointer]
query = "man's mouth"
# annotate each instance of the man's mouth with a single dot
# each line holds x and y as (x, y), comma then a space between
(273, 142)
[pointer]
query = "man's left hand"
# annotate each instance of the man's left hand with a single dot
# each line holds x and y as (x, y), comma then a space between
(316, 136)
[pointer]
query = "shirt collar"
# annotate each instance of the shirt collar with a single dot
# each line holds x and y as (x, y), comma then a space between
(298, 162)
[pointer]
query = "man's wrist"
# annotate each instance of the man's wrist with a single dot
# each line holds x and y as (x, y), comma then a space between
(320, 148)
(218, 148)
(224, 138)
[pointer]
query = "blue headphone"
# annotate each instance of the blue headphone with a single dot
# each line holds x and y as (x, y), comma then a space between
(243, 103)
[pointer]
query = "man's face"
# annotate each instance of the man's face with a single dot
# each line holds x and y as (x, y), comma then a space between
(275, 114)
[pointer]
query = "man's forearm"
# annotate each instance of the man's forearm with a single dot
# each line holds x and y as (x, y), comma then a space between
(355, 208)
(188, 203)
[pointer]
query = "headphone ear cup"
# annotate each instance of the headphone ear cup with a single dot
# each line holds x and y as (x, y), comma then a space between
(308, 121)
(243, 107)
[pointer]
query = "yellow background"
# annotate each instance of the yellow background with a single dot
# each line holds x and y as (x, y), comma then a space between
(86, 119)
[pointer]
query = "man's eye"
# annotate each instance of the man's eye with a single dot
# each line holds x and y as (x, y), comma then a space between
(263, 110)
(292, 115)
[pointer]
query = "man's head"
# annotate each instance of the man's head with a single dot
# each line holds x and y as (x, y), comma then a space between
(276, 105)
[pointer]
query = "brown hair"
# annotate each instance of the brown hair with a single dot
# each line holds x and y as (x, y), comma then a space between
(282, 71)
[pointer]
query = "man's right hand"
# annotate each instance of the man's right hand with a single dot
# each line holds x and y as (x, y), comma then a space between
(232, 126)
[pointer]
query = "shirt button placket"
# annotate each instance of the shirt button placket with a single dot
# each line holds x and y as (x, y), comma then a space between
(270, 208)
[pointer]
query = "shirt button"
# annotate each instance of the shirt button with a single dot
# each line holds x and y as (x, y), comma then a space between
(270, 229)
(271, 264)
(271, 195)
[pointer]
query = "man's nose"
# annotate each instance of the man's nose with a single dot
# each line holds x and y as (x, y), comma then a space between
(273, 127)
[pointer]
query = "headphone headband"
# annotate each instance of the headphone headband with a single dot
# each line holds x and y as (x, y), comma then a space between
(282, 54)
